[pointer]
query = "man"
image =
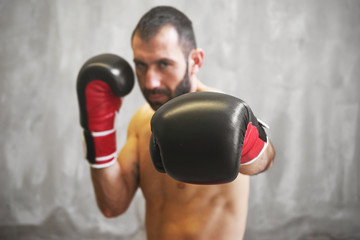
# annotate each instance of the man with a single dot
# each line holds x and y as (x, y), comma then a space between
(166, 60)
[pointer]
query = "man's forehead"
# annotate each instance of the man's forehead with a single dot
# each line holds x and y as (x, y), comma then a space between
(165, 43)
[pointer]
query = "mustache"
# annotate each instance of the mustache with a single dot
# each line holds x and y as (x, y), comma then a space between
(164, 91)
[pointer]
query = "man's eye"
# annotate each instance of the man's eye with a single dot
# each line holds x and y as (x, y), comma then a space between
(140, 65)
(163, 64)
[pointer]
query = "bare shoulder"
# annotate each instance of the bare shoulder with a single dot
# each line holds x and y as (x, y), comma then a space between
(128, 157)
(141, 118)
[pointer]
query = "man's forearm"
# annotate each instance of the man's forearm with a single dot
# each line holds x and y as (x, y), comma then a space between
(112, 194)
(263, 163)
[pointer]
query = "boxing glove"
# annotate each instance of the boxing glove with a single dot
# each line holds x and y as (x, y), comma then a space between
(101, 83)
(203, 138)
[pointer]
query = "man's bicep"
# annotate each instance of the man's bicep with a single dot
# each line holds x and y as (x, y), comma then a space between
(129, 161)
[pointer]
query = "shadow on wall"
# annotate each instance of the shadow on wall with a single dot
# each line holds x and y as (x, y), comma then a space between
(60, 226)
(320, 236)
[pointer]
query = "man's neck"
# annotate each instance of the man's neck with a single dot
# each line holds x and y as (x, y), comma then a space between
(200, 87)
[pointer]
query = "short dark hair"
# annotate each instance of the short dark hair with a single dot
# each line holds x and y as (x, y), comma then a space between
(158, 17)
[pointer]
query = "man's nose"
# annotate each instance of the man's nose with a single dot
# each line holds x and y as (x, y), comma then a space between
(152, 79)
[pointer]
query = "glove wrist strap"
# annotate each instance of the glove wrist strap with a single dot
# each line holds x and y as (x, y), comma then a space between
(105, 164)
(249, 161)
(100, 148)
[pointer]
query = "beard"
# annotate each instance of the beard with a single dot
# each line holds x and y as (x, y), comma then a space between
(182, 88)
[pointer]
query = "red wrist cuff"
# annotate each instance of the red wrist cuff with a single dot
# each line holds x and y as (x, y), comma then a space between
(252, 146)
(105, 147)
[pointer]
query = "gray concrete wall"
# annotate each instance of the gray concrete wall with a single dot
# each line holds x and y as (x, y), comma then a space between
(297, 63)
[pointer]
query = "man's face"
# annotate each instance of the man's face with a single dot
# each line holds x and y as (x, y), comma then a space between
(161, 67)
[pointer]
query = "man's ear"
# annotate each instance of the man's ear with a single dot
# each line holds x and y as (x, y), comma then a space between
(196, 59)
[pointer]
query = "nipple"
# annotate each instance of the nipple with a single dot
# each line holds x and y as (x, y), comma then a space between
(181, 185)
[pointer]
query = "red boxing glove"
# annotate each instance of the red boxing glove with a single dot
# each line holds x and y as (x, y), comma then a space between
(101, 83)
(102, 105)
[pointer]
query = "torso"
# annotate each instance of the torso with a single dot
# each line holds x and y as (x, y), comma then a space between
(176, 210)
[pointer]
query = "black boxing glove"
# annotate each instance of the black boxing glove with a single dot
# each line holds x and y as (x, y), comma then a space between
(101, 83)
(203, 138)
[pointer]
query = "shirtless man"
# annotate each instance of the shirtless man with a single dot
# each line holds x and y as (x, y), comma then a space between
(166, 60)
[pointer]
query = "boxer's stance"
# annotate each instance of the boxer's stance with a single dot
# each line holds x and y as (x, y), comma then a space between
(166, 60)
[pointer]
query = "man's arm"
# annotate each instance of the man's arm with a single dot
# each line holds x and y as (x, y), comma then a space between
(263, 163)
(102, 82)
(115, 186)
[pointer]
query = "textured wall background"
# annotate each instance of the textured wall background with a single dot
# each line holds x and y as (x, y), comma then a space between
(297, 63)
